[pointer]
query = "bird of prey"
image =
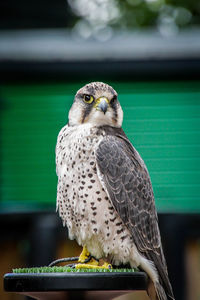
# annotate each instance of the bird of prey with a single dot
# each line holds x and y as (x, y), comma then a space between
(104, 192)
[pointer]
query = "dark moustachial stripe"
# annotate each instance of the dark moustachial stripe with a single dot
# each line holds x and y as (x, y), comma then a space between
(86, 112)
(114, 107)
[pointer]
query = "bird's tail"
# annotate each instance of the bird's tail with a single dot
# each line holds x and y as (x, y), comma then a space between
(157, 292)
(161, 295)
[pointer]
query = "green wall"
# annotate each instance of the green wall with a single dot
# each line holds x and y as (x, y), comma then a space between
(162, 120)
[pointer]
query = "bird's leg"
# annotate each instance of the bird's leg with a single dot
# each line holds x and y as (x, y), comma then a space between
(84, 256)
(87, 261)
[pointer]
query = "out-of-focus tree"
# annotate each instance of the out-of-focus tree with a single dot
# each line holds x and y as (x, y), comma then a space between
(102, 16)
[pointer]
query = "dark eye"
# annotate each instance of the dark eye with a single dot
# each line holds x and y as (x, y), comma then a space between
(88, 98)
(114, 98)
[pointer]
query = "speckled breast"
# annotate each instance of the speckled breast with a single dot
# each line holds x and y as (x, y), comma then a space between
(82, 202)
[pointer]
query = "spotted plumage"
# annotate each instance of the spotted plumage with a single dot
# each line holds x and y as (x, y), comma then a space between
(104, 193)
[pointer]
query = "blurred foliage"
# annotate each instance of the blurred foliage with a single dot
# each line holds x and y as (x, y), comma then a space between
(87, 17)
(103, 16)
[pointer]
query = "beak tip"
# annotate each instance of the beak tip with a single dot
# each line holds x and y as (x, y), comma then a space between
(104, 110)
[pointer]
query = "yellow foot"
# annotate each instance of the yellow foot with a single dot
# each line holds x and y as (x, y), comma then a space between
(86, 261)
(90, 266)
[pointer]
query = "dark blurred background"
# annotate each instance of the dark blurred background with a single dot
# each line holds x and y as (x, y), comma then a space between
(149, 51)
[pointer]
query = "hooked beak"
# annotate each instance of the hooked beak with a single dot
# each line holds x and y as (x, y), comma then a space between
(102, 104)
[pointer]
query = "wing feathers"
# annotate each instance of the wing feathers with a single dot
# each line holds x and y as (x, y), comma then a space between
(128, 184)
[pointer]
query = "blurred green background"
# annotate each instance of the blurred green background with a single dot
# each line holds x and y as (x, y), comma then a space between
(160, 118)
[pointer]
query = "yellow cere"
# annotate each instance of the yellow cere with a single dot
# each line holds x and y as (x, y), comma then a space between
(97, 101)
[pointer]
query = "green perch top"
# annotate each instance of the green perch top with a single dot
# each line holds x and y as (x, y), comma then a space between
(63, 269)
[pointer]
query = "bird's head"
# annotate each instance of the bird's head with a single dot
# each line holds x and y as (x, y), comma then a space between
(96, 103)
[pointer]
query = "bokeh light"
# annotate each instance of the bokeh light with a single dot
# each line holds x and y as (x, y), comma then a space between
(97, 19)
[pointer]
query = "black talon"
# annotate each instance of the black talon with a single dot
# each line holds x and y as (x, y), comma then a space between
(60, 260)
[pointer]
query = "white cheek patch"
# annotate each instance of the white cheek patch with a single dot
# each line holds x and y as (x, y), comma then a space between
(120, 116)
(75, 114)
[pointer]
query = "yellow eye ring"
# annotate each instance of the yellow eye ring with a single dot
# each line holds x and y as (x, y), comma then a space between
(88, 98)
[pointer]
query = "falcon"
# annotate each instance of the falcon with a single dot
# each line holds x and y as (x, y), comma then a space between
(104, 192)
